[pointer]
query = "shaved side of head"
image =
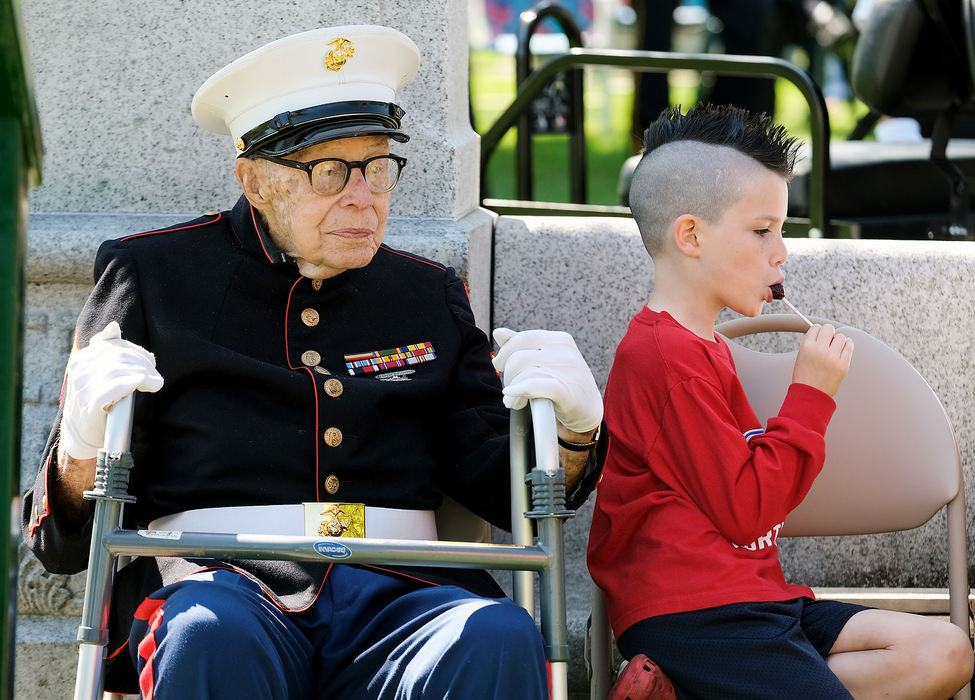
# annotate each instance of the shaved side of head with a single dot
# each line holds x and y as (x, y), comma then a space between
(685, 177)
(696, 163)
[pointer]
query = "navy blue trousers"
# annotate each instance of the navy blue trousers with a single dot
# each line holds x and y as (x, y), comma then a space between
(367, 636)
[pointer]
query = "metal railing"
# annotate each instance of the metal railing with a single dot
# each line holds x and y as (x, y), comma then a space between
(524, 173)
(659, 62)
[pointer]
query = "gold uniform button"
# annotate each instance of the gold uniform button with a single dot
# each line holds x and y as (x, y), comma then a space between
(210, 213)
(333, 437)
(334, 388)
(311, 358)
(310, 317)
(316, 284)
(321, 370)
(332, 483)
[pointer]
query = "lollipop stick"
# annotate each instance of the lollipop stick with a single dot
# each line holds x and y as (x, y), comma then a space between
(796, 311)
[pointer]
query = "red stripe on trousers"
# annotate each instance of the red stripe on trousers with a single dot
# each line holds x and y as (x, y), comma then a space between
(151, 611)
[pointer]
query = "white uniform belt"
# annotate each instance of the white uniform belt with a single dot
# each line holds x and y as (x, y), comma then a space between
(306, 519)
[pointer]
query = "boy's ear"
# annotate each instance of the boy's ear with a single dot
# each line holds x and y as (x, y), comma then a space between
(686, 229)
(250, 176)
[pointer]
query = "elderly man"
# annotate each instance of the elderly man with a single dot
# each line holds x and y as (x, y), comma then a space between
(305, 362)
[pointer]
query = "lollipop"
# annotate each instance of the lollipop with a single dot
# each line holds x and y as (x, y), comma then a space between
(778, 292)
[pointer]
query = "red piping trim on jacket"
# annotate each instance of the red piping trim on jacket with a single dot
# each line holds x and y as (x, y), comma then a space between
(117, 652)
(260, 238)
(178, 228)
(268, 593)
(287, 357)
(47, 503)
(413, 257)
(394, 572)
(317, 593)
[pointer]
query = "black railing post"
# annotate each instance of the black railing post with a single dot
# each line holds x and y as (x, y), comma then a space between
(659, 61)
(524, 172)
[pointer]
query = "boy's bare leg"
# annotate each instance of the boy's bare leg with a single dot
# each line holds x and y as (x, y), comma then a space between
(886, 654)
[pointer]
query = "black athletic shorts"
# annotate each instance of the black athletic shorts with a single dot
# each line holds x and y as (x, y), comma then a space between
(752, 651)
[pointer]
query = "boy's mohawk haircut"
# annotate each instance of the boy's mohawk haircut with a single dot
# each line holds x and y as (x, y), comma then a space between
(754, 135)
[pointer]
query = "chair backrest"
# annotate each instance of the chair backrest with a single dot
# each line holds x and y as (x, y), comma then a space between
(891, 456)
(891, 459)
(913, 59)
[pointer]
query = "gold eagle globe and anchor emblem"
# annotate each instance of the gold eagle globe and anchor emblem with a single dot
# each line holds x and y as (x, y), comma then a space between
(337, 522)
(338, 56)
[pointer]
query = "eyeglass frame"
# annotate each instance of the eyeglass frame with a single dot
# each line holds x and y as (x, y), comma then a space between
(309, 166)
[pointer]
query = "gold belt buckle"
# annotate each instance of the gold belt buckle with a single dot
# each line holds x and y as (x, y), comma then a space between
(335, 519)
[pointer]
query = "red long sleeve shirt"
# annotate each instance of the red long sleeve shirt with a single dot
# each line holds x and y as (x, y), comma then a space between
(694, 489)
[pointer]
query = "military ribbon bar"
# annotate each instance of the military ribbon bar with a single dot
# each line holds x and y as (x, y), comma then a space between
(377, 360)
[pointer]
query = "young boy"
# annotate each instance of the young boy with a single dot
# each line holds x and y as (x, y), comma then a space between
(692, 480)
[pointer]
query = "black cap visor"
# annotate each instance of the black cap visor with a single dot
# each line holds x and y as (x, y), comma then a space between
(291, 131)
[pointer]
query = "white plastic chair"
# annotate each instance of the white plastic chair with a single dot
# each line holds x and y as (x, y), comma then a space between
(892, 461)
(530, 554)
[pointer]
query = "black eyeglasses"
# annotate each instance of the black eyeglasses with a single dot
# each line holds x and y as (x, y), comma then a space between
(331, 175)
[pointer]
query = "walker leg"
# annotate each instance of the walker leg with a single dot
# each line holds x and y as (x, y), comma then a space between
(109, 493)
(560, 680)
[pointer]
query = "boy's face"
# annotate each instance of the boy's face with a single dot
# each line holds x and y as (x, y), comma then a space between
(744, 250)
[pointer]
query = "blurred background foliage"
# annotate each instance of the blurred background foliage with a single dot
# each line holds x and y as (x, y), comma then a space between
(608, 96)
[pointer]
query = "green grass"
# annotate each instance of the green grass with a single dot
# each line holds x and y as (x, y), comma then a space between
(608, 107)
(608, 103)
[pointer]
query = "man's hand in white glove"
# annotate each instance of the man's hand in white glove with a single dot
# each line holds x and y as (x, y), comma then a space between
(98, 375)
(547, 364)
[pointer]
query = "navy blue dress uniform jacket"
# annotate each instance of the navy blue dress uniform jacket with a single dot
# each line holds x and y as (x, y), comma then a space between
(259, 407)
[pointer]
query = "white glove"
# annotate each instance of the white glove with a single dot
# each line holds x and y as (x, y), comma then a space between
(548, 365)
(108, 369)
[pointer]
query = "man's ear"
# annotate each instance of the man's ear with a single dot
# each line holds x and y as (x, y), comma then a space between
(685, 230)
(250, 175)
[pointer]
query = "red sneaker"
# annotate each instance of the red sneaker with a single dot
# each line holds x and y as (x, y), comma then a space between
(642, 679)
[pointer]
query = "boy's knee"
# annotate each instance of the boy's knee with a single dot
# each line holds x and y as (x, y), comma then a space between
(957, 659)
(942, 658)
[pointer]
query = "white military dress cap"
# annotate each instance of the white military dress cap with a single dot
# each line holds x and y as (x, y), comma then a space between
(320, 85)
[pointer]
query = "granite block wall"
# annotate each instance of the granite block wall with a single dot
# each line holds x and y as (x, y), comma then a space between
(590, 276)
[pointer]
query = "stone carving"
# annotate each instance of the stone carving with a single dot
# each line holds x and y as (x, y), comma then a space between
(40, 592)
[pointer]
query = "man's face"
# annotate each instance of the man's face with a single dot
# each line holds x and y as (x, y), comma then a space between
(326, 234)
